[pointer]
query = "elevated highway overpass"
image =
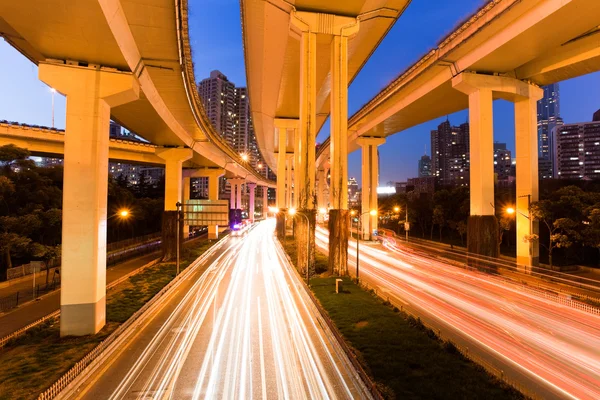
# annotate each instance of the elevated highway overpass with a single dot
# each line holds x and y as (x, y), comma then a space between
(505, 50)
(129, 61)
(45, 142)
(300, 57)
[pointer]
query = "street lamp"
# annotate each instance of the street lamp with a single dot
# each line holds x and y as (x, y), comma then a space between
(244, 156)
(511, 210)
(292, 211)
(358, 233)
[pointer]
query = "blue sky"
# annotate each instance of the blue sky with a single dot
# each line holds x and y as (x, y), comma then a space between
(215, 32)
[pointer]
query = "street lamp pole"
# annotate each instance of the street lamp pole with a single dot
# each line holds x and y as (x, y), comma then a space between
(178, 204)
(406, 225)
(358, 233)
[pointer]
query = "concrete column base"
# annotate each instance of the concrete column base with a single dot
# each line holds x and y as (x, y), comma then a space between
(280, 227)
(82, 319)
(339, 228)
(303, 233)
(213, 232)
(169, 235)
(482, 235)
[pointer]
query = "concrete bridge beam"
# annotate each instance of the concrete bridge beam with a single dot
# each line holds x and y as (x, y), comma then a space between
(91, 93)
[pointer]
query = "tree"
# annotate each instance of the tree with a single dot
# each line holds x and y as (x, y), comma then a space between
(438, 219)
(591, 232)
(504, 224)
(562, 231)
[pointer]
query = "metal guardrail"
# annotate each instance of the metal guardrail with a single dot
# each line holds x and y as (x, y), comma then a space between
(88, 361)
(19, 332)
(23, 296)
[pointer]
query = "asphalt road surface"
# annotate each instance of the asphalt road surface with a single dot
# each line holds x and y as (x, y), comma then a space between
(550, 348)
(245, 328)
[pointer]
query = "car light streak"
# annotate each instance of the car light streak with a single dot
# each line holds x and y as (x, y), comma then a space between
(554, 345)
(245, 329)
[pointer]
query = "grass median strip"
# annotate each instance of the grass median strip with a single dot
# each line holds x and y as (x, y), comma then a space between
(34, 361)
(405, 359)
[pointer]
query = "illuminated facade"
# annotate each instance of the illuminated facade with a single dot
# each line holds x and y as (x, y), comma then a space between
(548, 117)
(577, 148)
(450, 154)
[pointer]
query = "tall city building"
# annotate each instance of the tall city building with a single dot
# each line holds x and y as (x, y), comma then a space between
(218, 96)
(425, 166)
(548, 117)
(577, 149)
(353, 192)
(450, 154)
(502, 164)
(228, 108)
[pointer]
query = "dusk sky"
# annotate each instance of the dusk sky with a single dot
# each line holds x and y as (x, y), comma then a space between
(217, 44)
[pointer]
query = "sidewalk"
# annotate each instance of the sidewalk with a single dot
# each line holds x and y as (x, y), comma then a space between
(34, 310)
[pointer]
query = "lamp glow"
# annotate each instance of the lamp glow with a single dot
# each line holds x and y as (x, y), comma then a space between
(510, 210)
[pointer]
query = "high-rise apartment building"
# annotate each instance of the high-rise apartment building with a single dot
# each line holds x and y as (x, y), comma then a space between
(548, 117)
(228, 109)
(353, 192)
(218, 96)
(577, 149)
(450, 154)
(425, 166)
(502, 164)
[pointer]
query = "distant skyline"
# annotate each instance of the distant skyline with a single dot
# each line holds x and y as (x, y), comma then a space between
(215, 32)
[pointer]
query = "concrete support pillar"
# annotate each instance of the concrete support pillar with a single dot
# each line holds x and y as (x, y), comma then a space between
(308, 25)
(370, 181)
(232, 194)
(174, 159)
(322, 201)
(527, 176)
(187, 182)
(90, 95)
(213, 184)
(251, 201)
(289, 182)
(482, 234)
(238, 195)
(281, 166)
(339, 216)
(482, 227)
(265, 201)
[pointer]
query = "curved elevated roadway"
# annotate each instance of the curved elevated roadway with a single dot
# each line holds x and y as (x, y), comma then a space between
(148, 39)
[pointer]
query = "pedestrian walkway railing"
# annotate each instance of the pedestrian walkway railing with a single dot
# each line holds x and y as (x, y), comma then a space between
(22, 296)
(123, 244)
